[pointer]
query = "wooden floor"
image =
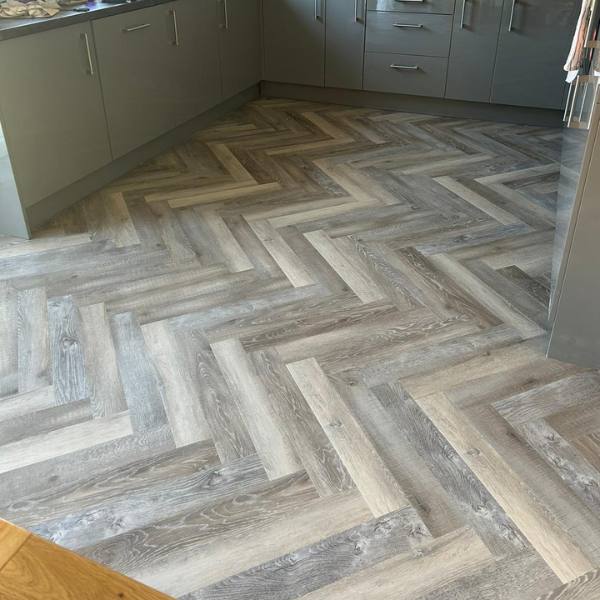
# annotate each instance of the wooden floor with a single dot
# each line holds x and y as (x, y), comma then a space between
(302, 356)
(34, 569)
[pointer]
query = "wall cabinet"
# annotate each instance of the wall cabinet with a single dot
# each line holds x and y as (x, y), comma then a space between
(240, 46)
(136, 66)
(345, 43)
(51, 105)
(473, 51)
(195, 73)
(294, 41)
(534, 41)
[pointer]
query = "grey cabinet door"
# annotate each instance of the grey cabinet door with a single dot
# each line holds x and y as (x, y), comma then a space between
(195, 74)
(534, 41)
(136, 61)
(473, 50)
(240, 45)
(345, 43)
(52, 110)
(294, 41)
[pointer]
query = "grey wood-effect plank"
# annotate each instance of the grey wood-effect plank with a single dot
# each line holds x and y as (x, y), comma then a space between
(312, 567)
(32, 340)
(141, 384)
(372, 478)
(256, 407)
(137, 464)
(105, 389)
(584, 587)
(478, 507)
(146, 504)
(406, 576)
(165, 540)
(313, 448)
(66, 346)
(224, 420)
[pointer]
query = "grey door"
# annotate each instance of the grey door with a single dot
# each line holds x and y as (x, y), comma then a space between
(136, 62)
(52, 110)
(473, 49)
(195, 74)
(240, 45)
(534, 41)
(294, 41)
(345, 43)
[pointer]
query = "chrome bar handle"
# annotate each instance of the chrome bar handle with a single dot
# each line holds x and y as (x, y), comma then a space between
(360, 8)
(226, 9)
(408, 26)
(318, 10)
(404, 67)
(462, 15)
(175, 27)
(88, 51)
(136, 28)
(410, 1)
(512, 15)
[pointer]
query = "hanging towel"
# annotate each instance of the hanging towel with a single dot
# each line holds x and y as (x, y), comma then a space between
(576, 55)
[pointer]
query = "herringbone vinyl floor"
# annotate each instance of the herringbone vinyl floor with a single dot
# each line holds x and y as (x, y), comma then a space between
(302, 356)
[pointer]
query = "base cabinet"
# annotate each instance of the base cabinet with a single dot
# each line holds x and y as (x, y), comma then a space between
(52, 112)
(240, 46)
(294, 41)
(534, 42)
(136, 62)
(345, 43)
(473, 50)
(195, 72)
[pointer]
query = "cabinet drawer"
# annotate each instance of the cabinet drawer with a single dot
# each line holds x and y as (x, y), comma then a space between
(405, 74)
(427, 35)
(443, 7)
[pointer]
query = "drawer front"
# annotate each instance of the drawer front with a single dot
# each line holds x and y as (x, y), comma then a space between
(442, 7)
(427, 35)
(405, 74)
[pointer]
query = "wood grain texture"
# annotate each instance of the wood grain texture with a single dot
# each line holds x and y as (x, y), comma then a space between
(303, 355)
(38, 569)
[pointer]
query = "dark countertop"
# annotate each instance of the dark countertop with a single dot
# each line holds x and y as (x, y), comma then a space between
(11, 28)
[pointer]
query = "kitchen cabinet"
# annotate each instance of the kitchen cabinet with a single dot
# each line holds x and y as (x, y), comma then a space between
(473, 50)
(195, 72)
(535, 36)
(51, 106)
(444, 7)
(426, 35)
(294, 41)
(136, 67)
(345, 43)
(240, 46)
(405, 74)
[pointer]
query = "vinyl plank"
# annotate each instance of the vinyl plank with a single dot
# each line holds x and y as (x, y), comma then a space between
(373, 479)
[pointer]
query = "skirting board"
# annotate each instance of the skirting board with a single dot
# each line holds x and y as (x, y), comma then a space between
(538, 117)
(40, 213)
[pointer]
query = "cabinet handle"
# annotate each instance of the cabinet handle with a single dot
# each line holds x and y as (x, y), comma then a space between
(318, 10)
(225, 15)
(462, 15)
(410, 1)
(512, 15)
(136, 28)
(408, 26)
(360, 5)
(88, 51)
(175, 27)
(405, 67)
